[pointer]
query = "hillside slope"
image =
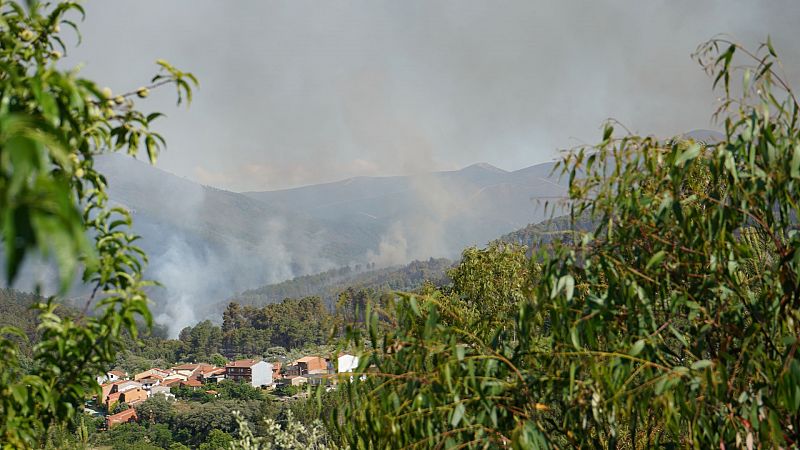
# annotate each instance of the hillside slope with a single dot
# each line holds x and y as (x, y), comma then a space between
(435, 214)
(204, 243)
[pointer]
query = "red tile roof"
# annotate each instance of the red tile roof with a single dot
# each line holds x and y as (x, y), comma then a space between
(243, 363)
(213, 372)
(307, 359)
(191, 383)
(113, 398)
(118, 373)
(121, 417)
(194, 366)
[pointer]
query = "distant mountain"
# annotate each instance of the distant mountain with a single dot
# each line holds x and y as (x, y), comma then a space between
(707, 136)
(434, 214)
(328, 285)
(205, 243)
(559, 228)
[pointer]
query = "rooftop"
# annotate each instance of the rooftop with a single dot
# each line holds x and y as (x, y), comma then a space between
(193, 366)
(122, 416)
(307, 359)
(243, 363)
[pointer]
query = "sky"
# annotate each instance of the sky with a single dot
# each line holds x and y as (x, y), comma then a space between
(298, 92)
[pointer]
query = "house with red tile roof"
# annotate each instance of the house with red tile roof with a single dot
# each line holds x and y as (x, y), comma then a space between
(112, 400)
(106, 389)
(307, 365)
(254, 372)
(112, 392)
(154, 372)
(213, 375)
(112, 376)
(193, 369)
(276, 371)
(149, 382)
(171, 382)
(134, 396)
(126, 385)
(193, 383)
(127, 416)
(175, 376)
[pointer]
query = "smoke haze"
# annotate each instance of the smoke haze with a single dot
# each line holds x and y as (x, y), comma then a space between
(300, 92)
(297, 93)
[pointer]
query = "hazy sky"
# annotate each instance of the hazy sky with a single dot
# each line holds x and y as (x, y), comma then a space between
(299, 92)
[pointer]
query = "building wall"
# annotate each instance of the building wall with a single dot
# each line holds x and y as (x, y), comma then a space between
(134, 396)
(317, 365)
(347, 363)
(261, 374)
(298, 381)
(123, 417)
(240, 374)
(161, 390)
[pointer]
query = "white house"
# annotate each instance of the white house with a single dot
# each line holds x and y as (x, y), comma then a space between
(162, 390)
(123, 386)
(111, 376)
(256, 373)
(149, 382)
(346, 363)
(175, 376)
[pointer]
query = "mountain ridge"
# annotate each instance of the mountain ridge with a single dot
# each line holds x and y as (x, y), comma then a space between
(205, 242)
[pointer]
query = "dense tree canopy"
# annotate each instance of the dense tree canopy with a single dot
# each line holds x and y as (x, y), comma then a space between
(672, 321)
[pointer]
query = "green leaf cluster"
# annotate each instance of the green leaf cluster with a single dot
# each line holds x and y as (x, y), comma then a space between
(672, 321)
(53, 204)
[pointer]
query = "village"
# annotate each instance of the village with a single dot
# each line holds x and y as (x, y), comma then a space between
(118, 388)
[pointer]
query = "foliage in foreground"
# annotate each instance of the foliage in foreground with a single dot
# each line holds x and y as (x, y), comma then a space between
(293, 435)
(53, 205)
(672, 323)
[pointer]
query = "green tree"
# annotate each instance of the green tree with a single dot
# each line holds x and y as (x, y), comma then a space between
(217, 440)
(238, 391)
(201, 341)
(218, 360)
(156, 409)
(291, 435)
(194, 422)
(133, 436)
(119, 407)
(673, 321)
(53, 203)
(489, 284)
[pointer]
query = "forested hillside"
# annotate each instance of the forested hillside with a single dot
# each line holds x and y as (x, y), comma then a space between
(328, 285)
(204, 243)
(16, 310)
(561, 228)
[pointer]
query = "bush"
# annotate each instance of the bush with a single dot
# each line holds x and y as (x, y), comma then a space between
(238, 391)
(672, 322)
